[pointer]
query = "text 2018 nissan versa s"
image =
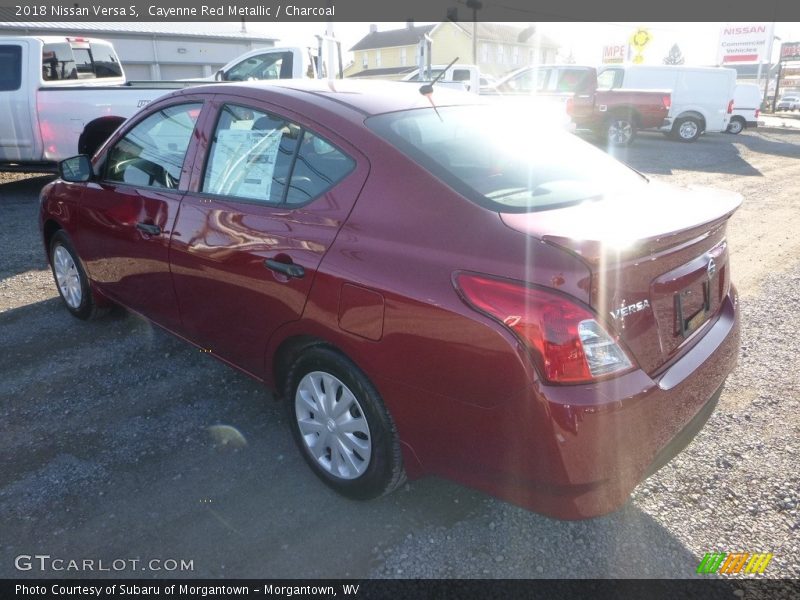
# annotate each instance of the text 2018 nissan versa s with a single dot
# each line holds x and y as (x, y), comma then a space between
(434, 286)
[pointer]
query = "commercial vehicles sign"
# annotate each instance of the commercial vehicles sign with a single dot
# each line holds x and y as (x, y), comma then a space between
(744, 43)
(790, 51)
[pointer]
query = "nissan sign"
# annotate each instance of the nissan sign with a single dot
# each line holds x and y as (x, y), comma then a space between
(744, 43)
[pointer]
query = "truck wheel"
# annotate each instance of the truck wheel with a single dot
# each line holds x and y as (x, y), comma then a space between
(736, 125)
(620, 130)
(687, 129)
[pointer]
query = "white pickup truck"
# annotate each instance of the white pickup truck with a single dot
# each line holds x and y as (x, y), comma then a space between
(62, 96)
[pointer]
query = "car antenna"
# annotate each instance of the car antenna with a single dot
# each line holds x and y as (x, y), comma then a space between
(426, 89)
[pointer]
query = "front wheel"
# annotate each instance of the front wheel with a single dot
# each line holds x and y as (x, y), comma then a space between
(736, 126)
(687, 129)
(71, 281)
(341, 425)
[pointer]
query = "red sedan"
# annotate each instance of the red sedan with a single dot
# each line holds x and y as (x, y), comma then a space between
(432, 285)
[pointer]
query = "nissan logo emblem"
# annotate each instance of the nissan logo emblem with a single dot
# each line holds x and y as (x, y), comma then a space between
(712, 268)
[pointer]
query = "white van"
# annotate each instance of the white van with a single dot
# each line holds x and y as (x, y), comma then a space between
(702, 97)
(746, 103)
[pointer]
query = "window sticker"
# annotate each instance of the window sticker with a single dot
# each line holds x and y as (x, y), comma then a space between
(243, 163)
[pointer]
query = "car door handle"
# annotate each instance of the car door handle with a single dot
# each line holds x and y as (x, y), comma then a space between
(288, 269)
(149, 228)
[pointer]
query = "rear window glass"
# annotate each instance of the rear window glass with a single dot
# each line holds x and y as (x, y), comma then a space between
(58, 62)
(505, 161)
(105, 61)
(10, 68)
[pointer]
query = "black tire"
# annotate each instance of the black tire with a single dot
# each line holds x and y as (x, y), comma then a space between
(87, 307)
(736, 126)
(619, 129)
(383, 472)
(687, 129)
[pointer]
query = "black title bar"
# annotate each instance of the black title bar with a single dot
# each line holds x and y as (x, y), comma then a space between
(398, 10)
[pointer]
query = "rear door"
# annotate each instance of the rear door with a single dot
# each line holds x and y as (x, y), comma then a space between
(127, 217)
(18, 141)
(266, 202)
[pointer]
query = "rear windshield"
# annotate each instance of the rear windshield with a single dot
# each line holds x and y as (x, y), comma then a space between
(10, 68)
(504, 160)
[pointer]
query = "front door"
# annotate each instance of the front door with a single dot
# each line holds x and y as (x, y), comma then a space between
(271, 198)
(127, 216)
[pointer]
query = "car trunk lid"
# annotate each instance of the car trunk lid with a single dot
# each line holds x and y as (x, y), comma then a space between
(659, 261)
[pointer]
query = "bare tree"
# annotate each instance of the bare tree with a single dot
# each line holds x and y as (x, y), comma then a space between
(675, 56)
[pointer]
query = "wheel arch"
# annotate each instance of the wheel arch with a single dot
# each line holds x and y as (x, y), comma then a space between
(287, 352)
(49, 229)
(627, 111)
(97, 132)
(695, 114)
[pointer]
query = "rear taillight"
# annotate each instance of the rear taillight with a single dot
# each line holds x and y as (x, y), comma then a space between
(758, 112)
(730, 107)
(666, 100)
(570, 106)
(566, 342)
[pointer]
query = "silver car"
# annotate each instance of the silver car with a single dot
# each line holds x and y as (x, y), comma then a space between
(788, 103)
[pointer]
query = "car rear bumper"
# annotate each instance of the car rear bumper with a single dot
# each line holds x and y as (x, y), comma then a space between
(576, 452)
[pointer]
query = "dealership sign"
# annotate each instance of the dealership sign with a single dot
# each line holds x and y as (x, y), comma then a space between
(615, 54)
(790, 51)
(744, 43)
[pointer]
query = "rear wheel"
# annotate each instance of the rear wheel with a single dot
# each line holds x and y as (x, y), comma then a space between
(71, 281)
(736, 125)
(620, 129)
(341, 425)
(687, 129)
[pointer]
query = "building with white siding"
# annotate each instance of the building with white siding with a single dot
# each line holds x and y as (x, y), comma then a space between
(158, 51)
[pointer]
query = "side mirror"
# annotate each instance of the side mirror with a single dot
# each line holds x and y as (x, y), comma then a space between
(219, 75)
(76, 169)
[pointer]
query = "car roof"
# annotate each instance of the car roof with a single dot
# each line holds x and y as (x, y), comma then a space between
(365, 97)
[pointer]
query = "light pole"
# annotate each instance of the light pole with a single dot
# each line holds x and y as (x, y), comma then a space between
(475, 5)
(769, 68)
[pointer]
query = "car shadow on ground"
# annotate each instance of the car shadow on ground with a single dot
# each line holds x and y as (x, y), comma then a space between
(124, 442)
(21, 189)
(652, 153)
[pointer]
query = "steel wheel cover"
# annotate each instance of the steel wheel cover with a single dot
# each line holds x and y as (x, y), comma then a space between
(332, 425)
(688, 130)
(67, 277)
(620, 132)
(736, 126)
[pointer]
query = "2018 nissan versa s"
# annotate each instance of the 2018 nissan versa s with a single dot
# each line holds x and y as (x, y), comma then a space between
(434, 286)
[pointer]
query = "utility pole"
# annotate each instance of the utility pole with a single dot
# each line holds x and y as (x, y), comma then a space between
(475, 5)
(769, 67)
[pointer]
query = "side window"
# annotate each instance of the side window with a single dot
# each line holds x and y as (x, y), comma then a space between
(251, 155)
(151, 154)
(319, 166)
(532, 80)
(609, 79)
(10, 68)
(271, 65)
(258, 156)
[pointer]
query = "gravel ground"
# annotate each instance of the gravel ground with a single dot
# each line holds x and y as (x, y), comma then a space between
(110, 450)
